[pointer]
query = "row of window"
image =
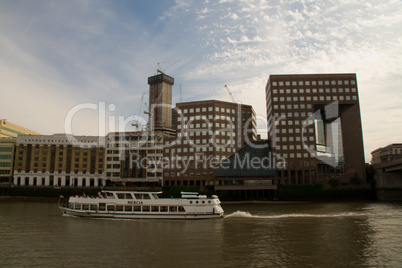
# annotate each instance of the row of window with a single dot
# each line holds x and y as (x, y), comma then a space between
(296, 155)
(131, 138)
(60, 171)
(191, 174)
(126, 208)
(292, 147)
(60, 165)
(308, 128)
(6, 149)
(67, 142)
(291, 139)
(209, 125)
(204, 117)
(77, 154)
(294, 122)
(314, 90)
(210, 109)
(314, 83)
(291, 130)
(205, 133)
(205, 158)
(204, 148)
(315, 98)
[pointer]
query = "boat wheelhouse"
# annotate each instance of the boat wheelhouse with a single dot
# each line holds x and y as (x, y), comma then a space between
(143, 205)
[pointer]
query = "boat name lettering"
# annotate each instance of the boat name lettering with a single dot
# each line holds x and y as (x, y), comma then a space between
(135, 202)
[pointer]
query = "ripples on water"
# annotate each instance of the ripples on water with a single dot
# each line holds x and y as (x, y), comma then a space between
(245, 214)
(250, 235)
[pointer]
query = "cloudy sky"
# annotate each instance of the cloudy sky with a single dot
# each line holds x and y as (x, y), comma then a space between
(55, 55)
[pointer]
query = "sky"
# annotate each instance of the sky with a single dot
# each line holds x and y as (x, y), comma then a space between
(87, 62)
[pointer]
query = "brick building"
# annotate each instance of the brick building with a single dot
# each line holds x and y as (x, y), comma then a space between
(315, 127)
(59, 160)
(206, 133)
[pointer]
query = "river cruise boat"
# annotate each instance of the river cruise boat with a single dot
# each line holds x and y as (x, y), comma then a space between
(143, 205)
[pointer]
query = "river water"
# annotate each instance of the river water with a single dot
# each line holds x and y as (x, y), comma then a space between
(251, 235)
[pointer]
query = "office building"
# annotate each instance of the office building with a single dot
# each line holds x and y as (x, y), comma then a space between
(206, 133)
(315, 127)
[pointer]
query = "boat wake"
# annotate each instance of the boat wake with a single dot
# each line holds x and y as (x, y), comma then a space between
(243, 214)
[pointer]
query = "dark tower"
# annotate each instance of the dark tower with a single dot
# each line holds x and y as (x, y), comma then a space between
(160, 101)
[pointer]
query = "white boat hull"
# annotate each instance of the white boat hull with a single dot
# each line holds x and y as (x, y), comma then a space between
(140, 215)
(143, 205)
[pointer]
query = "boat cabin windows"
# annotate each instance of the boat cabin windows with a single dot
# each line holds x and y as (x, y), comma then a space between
(173, 209)
(109, 195)
(124, 196)
(155, 209)
(126, 208)
(155, 196)
(142, 196)
(163, 209)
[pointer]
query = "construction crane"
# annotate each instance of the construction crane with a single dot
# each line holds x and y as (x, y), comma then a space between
(230, 94)
(139, 113)
(159, 70)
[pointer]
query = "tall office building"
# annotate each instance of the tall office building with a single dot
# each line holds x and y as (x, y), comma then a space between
(206, 133)
(315, 127)
(160, 102)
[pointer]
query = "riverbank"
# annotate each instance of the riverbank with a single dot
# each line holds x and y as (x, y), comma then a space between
(285, 193)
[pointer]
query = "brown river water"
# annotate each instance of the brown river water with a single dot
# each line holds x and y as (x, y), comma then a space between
(348, 234)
